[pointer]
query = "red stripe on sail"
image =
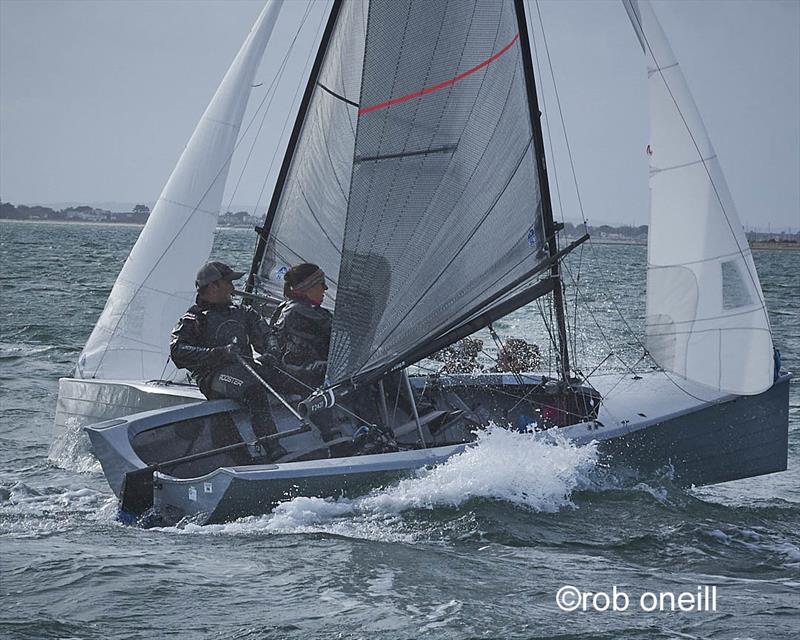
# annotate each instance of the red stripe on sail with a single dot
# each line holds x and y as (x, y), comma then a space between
(441, 85)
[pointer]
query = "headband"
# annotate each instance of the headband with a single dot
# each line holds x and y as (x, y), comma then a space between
(318, 277)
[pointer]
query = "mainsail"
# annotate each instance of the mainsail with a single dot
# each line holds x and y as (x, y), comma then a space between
(414, 181)
(156, 284)
(706, 316)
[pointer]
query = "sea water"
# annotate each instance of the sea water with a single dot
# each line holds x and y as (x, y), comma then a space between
(488, 544)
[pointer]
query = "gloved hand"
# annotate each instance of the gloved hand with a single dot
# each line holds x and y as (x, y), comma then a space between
(267, 360)
(224, 355)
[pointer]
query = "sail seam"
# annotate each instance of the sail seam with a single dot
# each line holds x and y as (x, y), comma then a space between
(316, 219)
(223, 123)
(657, 170)
(191, 208)
(440, 85)
(657, 69)
(733, 254)
(714, 329)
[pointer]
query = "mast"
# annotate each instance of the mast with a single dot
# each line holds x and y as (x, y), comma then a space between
(263, 232)
(547, 208)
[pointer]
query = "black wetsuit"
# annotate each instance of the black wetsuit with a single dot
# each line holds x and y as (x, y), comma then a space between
(302, 337)
(198, 342)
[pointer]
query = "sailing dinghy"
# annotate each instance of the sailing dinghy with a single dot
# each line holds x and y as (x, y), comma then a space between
(415, 177)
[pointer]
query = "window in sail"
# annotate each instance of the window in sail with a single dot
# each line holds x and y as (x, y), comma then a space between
(735, 292)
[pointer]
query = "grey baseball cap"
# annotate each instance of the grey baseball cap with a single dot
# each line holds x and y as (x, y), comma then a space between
(213, 271)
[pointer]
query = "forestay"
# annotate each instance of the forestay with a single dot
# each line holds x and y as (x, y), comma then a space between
(414, 180)
(706, 316)
(156, 284)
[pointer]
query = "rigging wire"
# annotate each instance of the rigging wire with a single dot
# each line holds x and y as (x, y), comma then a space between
(288, 116)
(575, 183)
(273, 87)
(554, 171)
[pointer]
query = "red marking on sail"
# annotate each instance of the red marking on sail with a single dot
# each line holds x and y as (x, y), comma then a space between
(441, 85)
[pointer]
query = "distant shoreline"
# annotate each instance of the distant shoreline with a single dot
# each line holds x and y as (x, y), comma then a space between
(764, 245)
(99, 223)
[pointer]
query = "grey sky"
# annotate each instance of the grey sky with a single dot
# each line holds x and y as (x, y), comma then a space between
(97, 99)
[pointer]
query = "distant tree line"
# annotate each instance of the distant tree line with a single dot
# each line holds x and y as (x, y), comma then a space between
(83, 213)
(140, 213)
(626, 232)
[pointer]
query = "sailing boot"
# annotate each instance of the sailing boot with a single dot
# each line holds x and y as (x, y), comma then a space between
(264, 425)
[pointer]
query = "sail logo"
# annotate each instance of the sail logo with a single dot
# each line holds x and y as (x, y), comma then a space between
(532, 239)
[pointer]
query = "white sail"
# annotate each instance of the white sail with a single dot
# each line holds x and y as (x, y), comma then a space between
(706, 317)
(156, 284)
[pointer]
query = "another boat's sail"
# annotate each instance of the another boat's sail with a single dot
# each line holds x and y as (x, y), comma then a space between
(706, 316)
(156, 284)
(414, 181)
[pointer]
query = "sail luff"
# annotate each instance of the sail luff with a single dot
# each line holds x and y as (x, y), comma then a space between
(706, 319)
(156, 283)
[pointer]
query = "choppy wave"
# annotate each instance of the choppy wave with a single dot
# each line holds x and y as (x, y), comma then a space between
(533, 473)
(761, 543)
(20, 350)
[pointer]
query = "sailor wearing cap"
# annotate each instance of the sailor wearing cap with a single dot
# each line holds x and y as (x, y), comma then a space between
(213, 334)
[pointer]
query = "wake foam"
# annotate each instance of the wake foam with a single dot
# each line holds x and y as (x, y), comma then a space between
(538, 473)
(29, 512)
(71, 449)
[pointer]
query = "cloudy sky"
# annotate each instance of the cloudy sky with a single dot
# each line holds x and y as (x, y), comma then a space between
(98, 98)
